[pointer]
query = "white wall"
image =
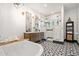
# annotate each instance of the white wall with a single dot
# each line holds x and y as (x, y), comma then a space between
(78, 23)
(62, 24)
(72, 13)
(12, 22)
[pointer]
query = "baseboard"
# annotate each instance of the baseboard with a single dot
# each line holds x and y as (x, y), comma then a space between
(37, 41)
(74, 41)
(58, 42)
(70, 41)
(44, 39)
(40, 40)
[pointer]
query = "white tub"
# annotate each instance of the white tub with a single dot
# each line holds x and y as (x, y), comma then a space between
(23, 48)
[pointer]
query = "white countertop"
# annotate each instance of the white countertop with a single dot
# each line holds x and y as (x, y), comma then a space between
(32, 32)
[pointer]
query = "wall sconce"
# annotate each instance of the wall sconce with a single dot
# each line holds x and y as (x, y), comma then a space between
(22, 13)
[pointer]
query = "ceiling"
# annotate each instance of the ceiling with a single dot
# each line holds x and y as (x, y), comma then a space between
(48, 8)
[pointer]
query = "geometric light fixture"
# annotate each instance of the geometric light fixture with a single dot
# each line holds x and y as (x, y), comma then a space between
(18, 4)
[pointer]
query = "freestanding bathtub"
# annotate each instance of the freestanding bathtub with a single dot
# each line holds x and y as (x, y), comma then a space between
(22, 48)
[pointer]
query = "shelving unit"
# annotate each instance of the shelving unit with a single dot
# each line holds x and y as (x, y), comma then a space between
(70, 31)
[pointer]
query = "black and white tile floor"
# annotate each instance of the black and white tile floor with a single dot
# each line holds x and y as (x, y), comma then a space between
(55, 49)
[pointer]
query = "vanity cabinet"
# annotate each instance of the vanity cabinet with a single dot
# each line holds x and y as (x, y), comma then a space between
(34, 36)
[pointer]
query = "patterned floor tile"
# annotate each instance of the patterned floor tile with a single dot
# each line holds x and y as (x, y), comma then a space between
(55, 49)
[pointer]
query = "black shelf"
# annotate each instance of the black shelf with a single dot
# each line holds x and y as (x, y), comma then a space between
(70, 28)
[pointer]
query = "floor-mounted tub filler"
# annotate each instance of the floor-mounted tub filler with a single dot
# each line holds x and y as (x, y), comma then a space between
(22, 48)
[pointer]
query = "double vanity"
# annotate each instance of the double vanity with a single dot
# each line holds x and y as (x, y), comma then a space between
(34, 36)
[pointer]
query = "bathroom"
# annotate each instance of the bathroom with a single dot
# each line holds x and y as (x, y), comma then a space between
(37, 21)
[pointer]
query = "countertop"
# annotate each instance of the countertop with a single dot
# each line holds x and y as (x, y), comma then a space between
(32, 32)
